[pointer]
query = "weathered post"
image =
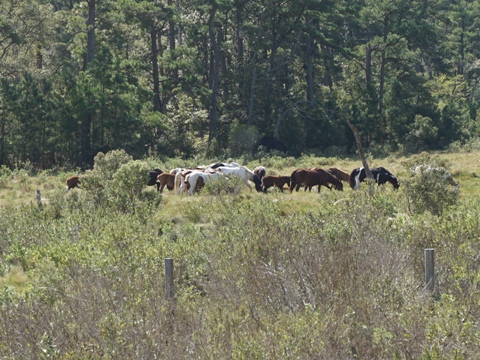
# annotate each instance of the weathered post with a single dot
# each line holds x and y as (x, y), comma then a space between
(169, 290)
(169, 293)
(39, 198)
(429, 269)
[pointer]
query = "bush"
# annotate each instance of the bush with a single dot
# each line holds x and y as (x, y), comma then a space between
(5, 173)
(232, 185)
(116, 180)
(430, 187)
(106, 165)
(130, 179)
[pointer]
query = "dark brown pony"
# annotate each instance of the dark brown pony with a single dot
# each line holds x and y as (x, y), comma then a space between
(339, 174)
(72, 182)
(277, 181)
(311, 178)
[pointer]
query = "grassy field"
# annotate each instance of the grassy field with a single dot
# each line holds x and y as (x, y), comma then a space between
(335, 275)
(21, 187)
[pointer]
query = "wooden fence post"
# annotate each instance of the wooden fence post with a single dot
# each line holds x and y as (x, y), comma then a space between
(39, 198)
(169, 290)
(429, 269)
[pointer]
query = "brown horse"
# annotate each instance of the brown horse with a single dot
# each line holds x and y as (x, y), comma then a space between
(339, 174)
(311, 178)
(277, 181)
(72, 182)
(165, 179)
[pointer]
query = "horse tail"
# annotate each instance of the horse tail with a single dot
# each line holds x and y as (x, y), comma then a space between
(293, 180)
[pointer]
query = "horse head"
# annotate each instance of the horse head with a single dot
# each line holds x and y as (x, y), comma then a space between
(394, 182)
(258, 183)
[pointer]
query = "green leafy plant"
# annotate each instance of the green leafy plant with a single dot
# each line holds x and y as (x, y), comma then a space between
(430, 186)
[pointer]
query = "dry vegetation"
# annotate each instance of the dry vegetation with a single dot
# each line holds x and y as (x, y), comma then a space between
(335, 275)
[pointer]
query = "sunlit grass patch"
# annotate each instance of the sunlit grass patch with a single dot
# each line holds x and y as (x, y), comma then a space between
(14, 278)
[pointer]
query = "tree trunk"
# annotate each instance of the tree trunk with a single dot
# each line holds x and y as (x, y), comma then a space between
(214, 75)
(270, 80)
(39, 58)
(223, 64)
(2, 141)
(309, 69)
(86, 144)
(157, 106)
(239, 34)
(171, 37)
(253, 85)
(360, 149)
(368, 66)
(90, 32)
(276, 131)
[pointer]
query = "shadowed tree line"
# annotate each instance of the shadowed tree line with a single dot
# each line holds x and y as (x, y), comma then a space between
(187, 77)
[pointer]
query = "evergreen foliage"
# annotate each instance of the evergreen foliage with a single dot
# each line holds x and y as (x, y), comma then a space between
(183, 78)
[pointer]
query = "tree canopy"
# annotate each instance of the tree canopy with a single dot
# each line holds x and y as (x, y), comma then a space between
(180, 77)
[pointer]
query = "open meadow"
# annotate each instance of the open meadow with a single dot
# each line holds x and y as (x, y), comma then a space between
(302, 275)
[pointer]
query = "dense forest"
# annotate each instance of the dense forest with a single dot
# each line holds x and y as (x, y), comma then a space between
(229, 78)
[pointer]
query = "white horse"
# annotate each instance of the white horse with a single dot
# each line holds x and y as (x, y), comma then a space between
(218, 164)
(244, 174)
(192, 179)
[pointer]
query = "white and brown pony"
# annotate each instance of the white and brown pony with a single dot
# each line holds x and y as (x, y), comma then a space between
(196, 180)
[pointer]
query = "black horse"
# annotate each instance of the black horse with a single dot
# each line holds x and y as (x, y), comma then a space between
(152, 177)
(380, 175)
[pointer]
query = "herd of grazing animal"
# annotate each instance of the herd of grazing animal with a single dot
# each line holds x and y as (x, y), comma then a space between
(192, 180)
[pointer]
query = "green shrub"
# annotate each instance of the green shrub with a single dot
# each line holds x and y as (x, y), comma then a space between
(430, 187)
(106, 165)
(5, 174)
(222, 186)
(125, 189)
(130, 179)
